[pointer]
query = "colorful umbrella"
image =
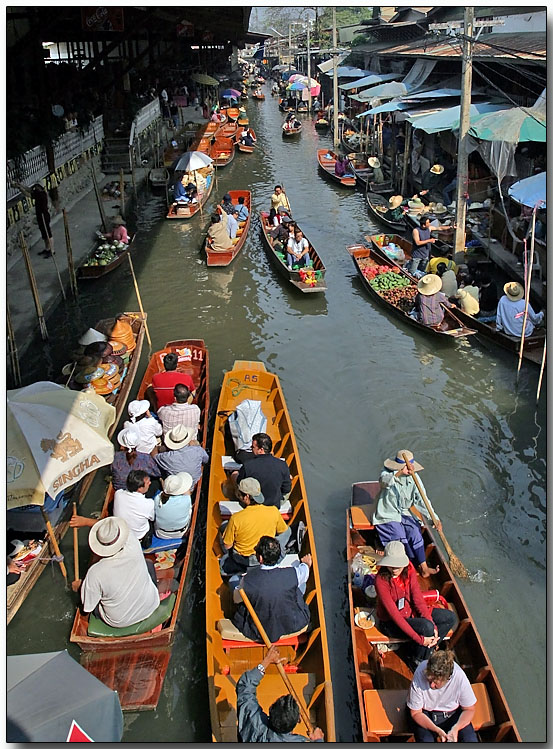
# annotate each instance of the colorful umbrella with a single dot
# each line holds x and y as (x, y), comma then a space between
(296, 86)
(192, 160)
(55, 436)
(296, 76)
(287, 73)
(304, 79)
(230, 93)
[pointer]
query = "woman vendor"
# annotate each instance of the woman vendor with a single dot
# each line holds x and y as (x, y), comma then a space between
(119, 232)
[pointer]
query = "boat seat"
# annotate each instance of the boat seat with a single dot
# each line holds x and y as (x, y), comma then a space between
(387, 712)
(164, 544)
(233, 638)
(98, 628)
(362, 516)
(230, 507)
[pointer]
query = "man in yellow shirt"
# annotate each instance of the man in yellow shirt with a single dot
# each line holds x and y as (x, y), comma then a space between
(245, 528)
(433, 263)
(279, 199)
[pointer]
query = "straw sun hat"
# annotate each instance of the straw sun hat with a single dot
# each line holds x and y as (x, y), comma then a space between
(429, 284)
(397, 463)
(437, 169)
(395, 201)
(514, 291)
(177, 437)
(374, 162)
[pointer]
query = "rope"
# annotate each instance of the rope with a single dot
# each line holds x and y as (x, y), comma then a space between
(240, 386)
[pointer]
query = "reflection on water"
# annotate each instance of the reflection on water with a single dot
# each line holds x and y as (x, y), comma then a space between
(359, 385)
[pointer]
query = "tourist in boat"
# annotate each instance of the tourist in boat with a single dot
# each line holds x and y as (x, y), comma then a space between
(242, 209)
(232, 222)
(280, 236)
(218, 238)
(467, 303)
(245, 528)
(183, 453)
(279, 199)
(422, 244)
(145, 424)
(254, 725)
(393, 518)
(272, 473)
(131, 459)
(442, 701)
(119, 588)
(401, 609)
(298, 251)
(181, 411)
(136, 509)
(438, 258)
(161, 391)
(510, 312)
(246, 137)
(488, 299)
(119, 232)
(173, 506)
(226, 203)
(276, 594)
(430, 301)
(449, 280)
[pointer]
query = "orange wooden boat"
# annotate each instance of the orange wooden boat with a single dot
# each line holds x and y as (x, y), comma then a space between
(188, 211)
(309, 669)
(222, 151)
(135, 665)
(291, 131)
(233, 113)
(228, 131)
(383, 678)
(327, 162)
(242, 148)
(227, 256)
(259, 97)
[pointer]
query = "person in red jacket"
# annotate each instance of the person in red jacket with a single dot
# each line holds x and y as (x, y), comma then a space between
(402, 610)
(160, 392)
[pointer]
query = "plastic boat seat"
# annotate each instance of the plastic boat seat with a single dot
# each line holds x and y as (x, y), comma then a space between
(164, 544)
(362, 516)
(233, 638)
(98, 628)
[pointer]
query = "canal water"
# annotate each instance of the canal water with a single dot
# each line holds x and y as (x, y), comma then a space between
(359, 385)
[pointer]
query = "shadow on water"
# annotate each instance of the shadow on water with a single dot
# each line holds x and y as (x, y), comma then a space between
(359, 385)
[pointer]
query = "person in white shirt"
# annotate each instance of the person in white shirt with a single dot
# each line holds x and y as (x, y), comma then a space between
(147, 426)
(136, 509)
(118, 588)
(441, 701)
(232, 223)
(298, 251)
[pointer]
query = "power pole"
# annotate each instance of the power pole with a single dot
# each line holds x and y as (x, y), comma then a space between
(289, 46)
(464, 123)
(308, 70)
(335, 79)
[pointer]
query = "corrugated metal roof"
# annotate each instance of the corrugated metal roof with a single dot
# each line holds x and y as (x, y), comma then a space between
(528, 46)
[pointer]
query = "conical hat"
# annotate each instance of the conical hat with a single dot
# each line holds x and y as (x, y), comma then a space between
(91, 336)
(122, 332)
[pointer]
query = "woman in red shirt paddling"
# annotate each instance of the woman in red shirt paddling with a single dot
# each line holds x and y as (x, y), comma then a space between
(402, 610)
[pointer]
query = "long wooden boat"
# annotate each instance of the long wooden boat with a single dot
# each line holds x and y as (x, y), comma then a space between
(188, 211)
(360, 168)
(258, 97)
(365, 257)
(158, 177)
(18, 592)
(376, 204)
(285, 107)
(89, 272)
(322, 124)
(222, 151)
(309, 669)
(228, 130)
(294, 276)
(227, 256)
(232, 113)
(533, 345)
(327, 162)
(382, 678)
(135, 665)
(290, 132)
(302, 108)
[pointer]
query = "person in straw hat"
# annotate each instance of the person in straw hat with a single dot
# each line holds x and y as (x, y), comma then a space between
(119, 232)
(173, 506)
(119, 588)
(378, 174)
(402, 611)
(393, 519)
(429, 300)
(432, 179)
(510, 312)
(183, 453)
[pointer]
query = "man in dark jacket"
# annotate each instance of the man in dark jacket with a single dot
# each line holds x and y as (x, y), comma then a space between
(279, 236)
(255, 726)
(276, 594)
(272, 473)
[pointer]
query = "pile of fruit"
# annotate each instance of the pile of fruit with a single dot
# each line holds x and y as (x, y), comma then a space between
(310, 276)
(106, 253)
(401, 297)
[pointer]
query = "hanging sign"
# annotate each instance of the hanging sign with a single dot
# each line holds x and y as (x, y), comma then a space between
(102, 19)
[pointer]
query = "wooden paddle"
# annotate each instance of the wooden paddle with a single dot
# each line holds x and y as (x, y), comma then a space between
(457, 567)
(303, 712)
(76, 544)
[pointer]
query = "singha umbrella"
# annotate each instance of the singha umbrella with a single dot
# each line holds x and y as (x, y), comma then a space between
(51, 698)
(55, 436)
(192, 160)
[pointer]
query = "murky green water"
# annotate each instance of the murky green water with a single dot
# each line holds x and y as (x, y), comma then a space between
(359, 385)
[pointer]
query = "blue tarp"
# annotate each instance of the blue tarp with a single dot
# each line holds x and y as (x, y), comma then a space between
(368, 80)
(448, 119)
(436, 93)
(531, 190)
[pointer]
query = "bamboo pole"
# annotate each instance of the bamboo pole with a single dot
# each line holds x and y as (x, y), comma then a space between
(76, 545)
(140, 302)
(52, 254)
(70, 264)
(54, 542)
(541, 371)
(122, 191)
(408, 134)
(34, 288)
(98, 198)
(528, 286)
(133, 180)
(12, 345)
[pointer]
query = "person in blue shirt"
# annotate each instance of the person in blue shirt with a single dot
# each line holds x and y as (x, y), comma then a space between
(242, 209)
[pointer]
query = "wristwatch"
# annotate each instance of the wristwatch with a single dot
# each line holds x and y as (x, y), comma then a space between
(261, 668)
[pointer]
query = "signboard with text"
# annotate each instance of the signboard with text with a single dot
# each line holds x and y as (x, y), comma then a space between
(102, 18)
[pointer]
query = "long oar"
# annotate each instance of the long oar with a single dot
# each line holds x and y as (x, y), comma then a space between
(282, 672)
(54, 542)
(76, 545)
(140, 302)
(457, 567)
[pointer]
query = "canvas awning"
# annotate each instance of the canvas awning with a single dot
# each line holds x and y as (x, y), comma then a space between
(327, 65)
(391, 106)
(384, 91)
(530, 191)
(345, 71)
(368, 80)
(204, 79)
(448, 119)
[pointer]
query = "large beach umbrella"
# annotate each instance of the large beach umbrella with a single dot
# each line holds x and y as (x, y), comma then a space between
(204, 79)
(296, 86)
(192, 160)
(51, 698)
(530, 191)
(230, 93)
(55, 436)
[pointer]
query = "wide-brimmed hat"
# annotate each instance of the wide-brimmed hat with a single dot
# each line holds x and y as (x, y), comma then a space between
(118, 221)
(374, 162)
(112, 359)
(89, 374)
(179, 483)
(394, 555)
(397, 463)
(395, 201)
(429, 284)
(137, 408)
(416, 203)
(252, 487)
(118, 347)
(438, 208)
(128, 438)
(91, 336)
(108, 536)
(179, 436)
(282, 209)
(514, 291)
(122, 332)
(286, 220)
(437, 169)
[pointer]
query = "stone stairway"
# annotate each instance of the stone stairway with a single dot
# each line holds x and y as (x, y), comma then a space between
(115, 155)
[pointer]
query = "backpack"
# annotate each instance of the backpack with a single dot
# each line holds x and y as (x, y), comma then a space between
(248, 419)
